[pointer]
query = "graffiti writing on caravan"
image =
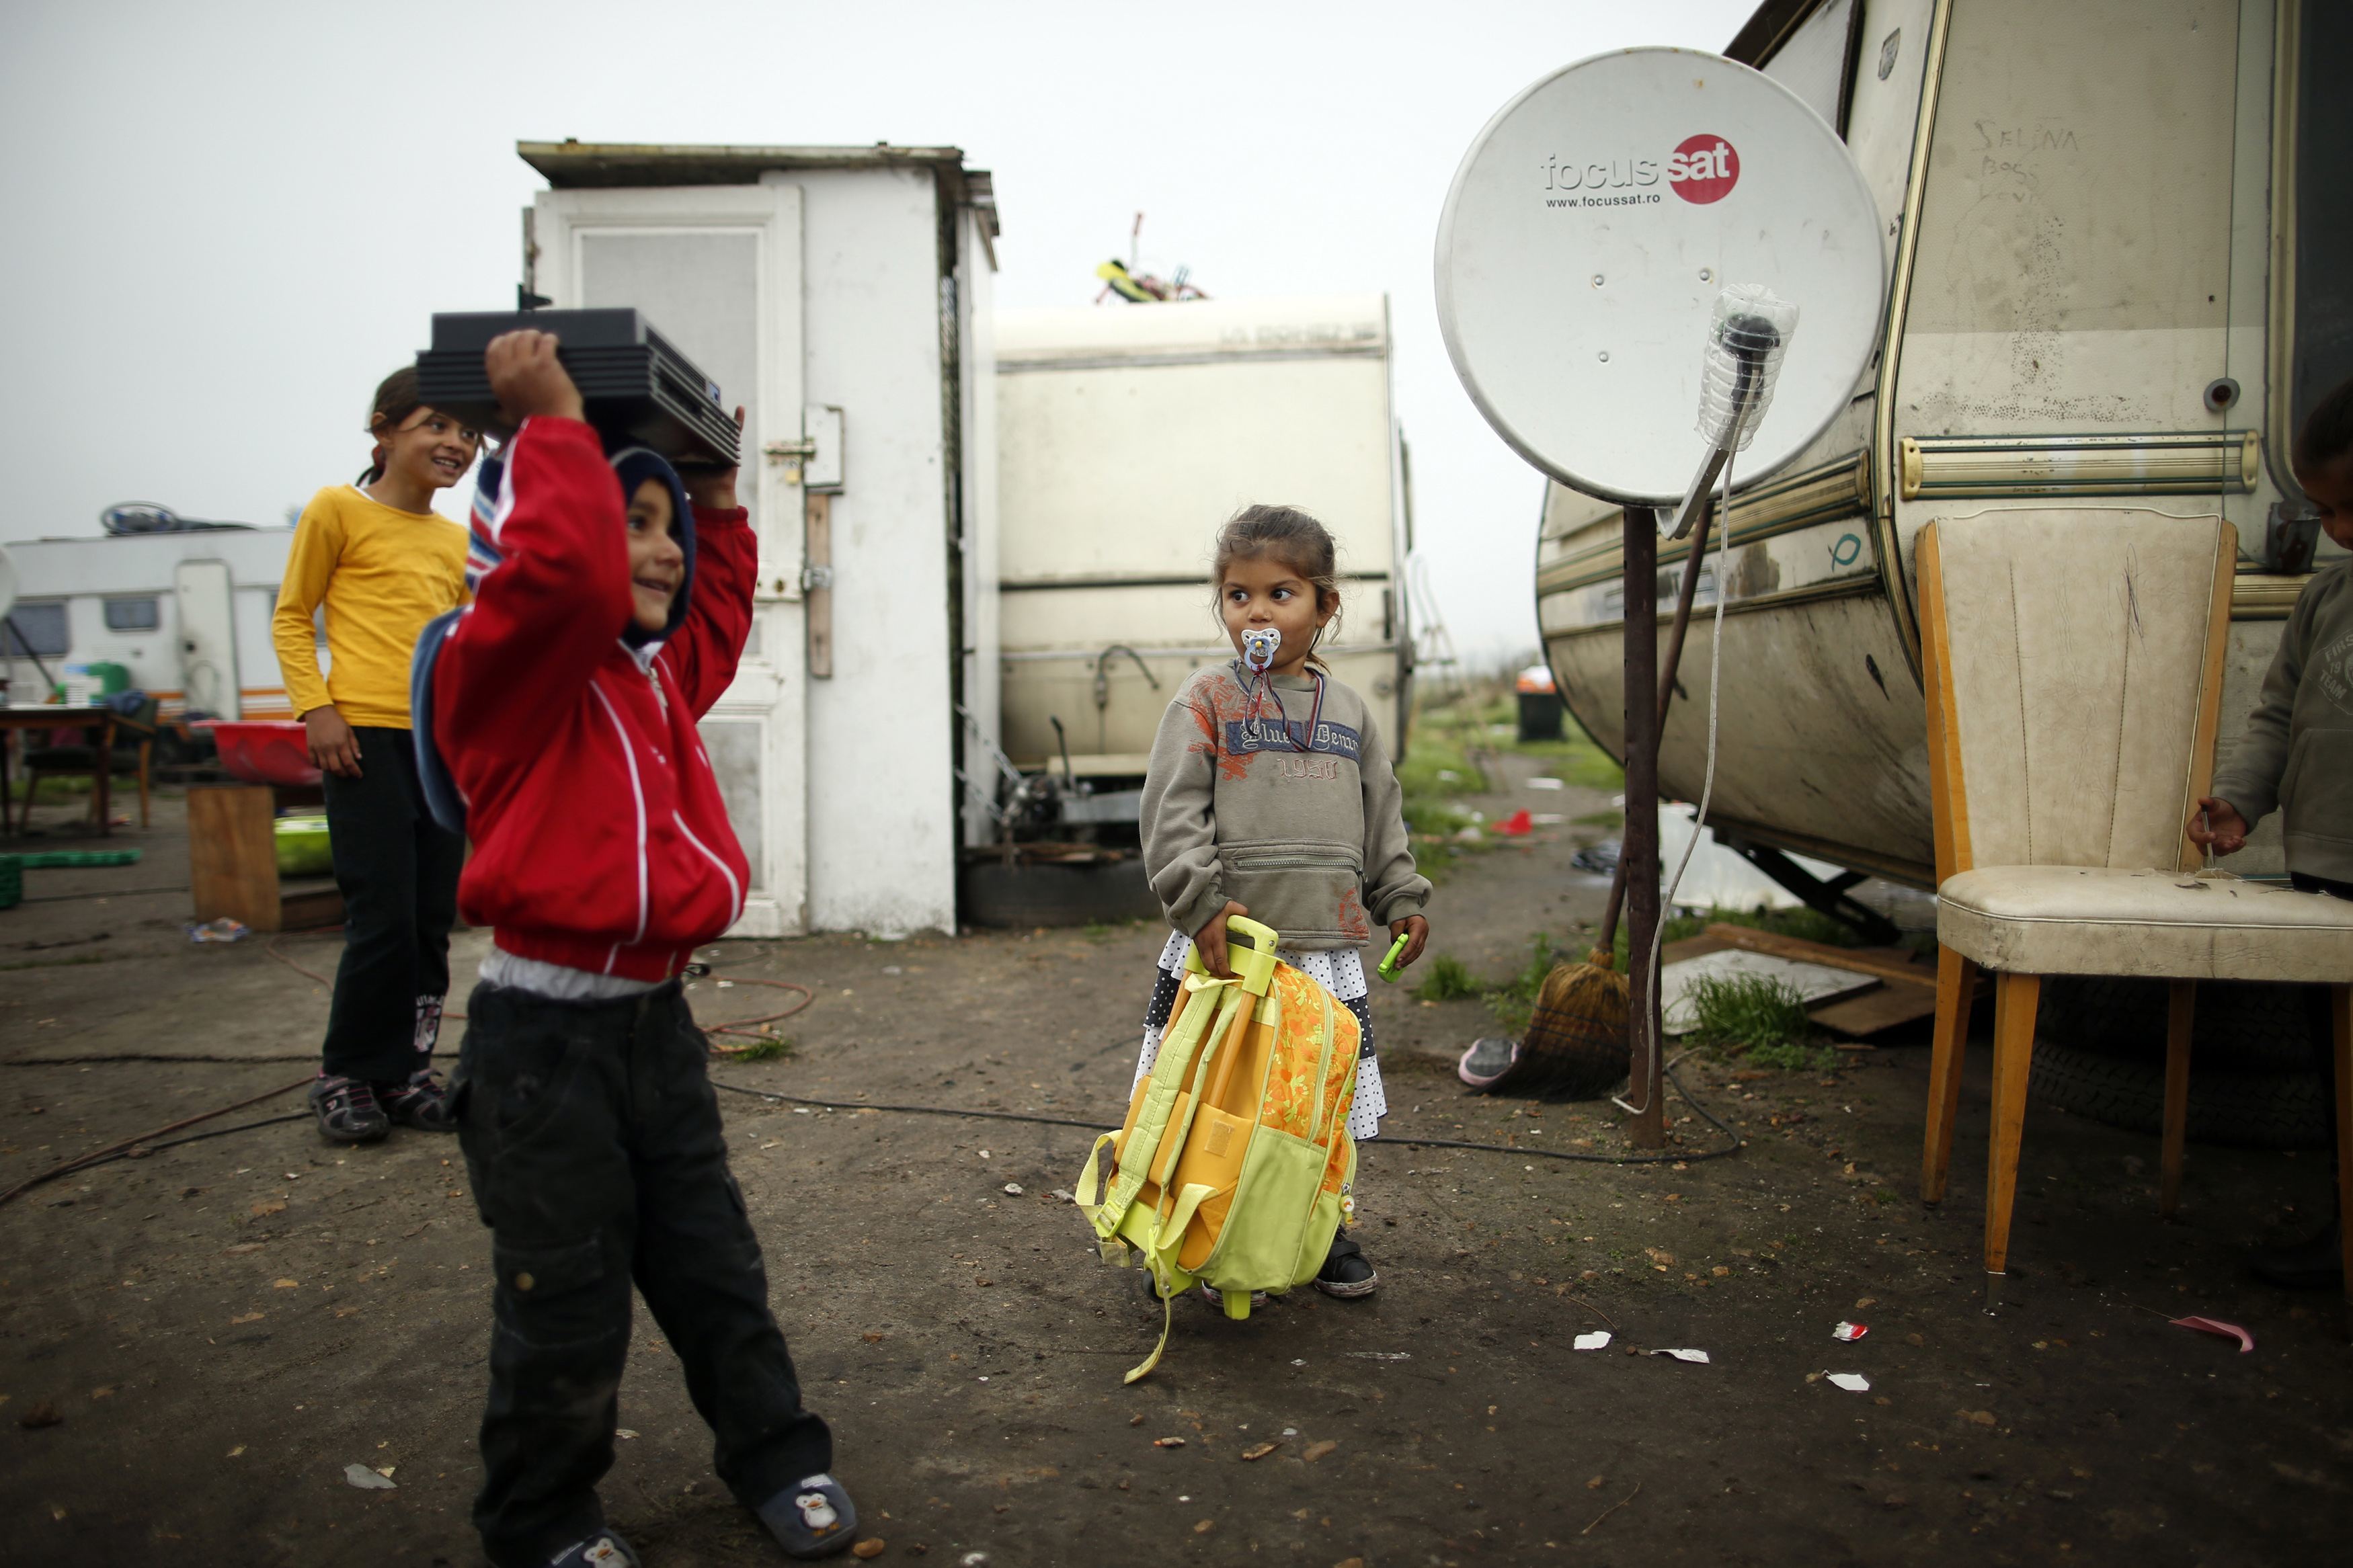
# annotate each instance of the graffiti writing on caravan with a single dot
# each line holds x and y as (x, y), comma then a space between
(1263, 734)
(1701, 169)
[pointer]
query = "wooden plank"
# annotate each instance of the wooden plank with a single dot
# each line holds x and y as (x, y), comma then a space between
(1895, 1001)
(233, 854)
(1888, 963)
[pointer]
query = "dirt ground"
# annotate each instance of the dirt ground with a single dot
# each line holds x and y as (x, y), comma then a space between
(224, 1326)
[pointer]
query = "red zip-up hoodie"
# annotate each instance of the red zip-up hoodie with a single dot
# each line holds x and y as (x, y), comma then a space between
(600, 839)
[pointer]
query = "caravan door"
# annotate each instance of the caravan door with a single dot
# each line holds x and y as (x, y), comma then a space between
(718, 270)
(202, 596)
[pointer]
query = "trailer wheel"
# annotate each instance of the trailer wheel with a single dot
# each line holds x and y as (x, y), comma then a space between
(2246, 1109)
(2242, 1026)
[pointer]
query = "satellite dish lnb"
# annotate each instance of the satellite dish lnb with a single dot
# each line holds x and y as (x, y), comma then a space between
(1586, 239)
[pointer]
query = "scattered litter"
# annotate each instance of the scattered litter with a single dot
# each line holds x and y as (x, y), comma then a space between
(1382, 1355)
(1690, 1355)
(1291, 1431)
(367, 1480)
(1013, 1189)
(44, 1414)
(1850, 1332)
(2216, 1326)
(1540, 782)
(1063, 1193)
(1168, 1442)
(1852, 1382)
(1597, 1340)
(221, 930)
(727, 986)
(623, 1432)
(800, 1110)
(1261, 1450)
(1316, 1451)
(869, 1547)
(233, 1453)
(1546, 818)
(973, 1560)
(1297, 1362)
(1519, 825)
(1467, 835)
(893, 969)
(984, 1153)
(1448, 775)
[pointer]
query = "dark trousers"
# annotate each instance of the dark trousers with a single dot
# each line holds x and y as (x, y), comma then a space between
(398, 874)
(594, 1143)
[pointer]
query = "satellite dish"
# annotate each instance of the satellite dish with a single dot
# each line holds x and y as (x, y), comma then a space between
(1587, 236)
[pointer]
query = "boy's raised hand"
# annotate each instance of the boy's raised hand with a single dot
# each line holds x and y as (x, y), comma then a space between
(528, 379)
(2218, 826)
(708, 485)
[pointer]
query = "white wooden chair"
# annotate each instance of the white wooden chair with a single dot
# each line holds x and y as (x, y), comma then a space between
(2074, 674)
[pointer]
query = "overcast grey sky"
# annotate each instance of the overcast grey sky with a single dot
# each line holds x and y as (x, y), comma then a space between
(228, 219)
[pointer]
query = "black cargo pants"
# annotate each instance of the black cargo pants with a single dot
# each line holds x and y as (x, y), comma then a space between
(593, 1139)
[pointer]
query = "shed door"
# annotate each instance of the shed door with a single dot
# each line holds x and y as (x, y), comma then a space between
(718, 270)
(201, 592)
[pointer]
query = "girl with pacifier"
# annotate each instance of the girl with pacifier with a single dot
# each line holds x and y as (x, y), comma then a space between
(1271, 794)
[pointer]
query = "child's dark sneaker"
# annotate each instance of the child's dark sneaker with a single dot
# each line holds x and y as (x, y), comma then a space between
(1346, 1272)
(422, 1103)
(813, 1518)
(1209, 1294)
(602, 1550)
(347, 1110)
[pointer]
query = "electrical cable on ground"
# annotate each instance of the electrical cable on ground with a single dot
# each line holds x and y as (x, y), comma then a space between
(96, 1156)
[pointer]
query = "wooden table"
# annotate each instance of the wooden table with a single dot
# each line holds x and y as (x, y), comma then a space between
(57, 716)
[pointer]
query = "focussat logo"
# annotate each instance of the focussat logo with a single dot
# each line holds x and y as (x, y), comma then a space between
(1702, 169)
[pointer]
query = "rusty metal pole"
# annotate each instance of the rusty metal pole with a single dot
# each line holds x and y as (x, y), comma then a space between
(1639, 842)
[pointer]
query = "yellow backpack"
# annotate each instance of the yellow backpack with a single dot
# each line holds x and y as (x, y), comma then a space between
(1235, 1167)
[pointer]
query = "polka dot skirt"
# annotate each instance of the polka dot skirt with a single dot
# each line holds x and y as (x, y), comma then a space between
(1340, 970)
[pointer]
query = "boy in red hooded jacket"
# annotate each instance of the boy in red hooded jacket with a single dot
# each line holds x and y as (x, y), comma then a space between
(611, 606)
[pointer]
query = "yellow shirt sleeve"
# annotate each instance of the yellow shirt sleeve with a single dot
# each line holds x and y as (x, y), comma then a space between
(310, 566)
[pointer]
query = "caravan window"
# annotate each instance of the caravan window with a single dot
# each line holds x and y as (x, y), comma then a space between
(35, 628)
(139, 615)
(2320, 350)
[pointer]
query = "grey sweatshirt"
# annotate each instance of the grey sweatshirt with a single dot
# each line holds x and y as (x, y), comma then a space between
(1306, 831)
(2297, 752)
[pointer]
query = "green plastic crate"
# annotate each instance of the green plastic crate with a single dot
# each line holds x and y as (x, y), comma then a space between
(302, 849)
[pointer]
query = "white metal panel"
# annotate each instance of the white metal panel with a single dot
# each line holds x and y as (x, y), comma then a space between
(1889, 73)
(982, 539)
(719, 269)
(1812, 61)
(207, 617)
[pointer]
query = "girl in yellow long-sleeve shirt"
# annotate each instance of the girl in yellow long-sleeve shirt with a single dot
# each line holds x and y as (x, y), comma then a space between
(384, 563)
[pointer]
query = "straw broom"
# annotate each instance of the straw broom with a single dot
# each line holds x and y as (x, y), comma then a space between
(1576, 1047)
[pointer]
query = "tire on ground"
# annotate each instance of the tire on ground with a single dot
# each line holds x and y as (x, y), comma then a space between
(2249, 1110)
(2241, 1026)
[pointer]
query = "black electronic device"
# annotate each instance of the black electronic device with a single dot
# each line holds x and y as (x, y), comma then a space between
(634, 383)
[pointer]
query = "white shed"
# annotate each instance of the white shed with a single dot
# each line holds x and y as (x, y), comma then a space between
(842, 294)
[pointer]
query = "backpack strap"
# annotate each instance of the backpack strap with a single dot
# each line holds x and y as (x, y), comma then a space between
(1169, 1281)
(1182, 1056)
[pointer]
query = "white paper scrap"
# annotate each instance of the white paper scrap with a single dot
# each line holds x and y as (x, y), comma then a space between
(1699, 1356)
(1599, 1339)
(1852, 1382)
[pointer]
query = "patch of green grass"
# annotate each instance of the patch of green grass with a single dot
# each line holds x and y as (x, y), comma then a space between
(776, 1049)
(1760, 1018)
(1600, 819)
(1448, 980)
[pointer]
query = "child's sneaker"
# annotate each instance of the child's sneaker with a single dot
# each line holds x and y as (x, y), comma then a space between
(422, 1103)
(812, 1518)
(1209, 1294)
(347, 1110)
(1346, 1272)
(602, 1550)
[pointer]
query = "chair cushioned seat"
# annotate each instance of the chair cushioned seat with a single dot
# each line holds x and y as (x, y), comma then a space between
(2162, 925)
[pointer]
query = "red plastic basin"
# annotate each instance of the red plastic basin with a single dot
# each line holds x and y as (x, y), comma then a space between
(262, 751)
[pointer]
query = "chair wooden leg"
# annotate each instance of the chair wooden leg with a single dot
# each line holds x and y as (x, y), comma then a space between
(146, 748)
(2340, 1029)
(2181, 1007)
(1956, 981)
(2015, 999)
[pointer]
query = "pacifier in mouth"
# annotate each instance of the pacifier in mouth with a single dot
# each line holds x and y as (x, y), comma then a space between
(1259, 644)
